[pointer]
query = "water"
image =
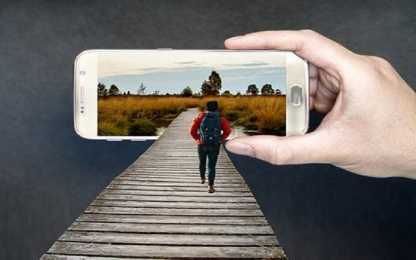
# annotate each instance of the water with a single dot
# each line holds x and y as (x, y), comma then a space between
(237, 131)
(160, 131)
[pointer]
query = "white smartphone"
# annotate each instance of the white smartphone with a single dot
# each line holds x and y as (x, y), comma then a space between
(136, 94)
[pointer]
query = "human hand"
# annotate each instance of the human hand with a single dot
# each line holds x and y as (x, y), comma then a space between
(370, 112)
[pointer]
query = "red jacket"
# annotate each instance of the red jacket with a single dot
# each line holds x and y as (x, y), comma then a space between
(225, 127)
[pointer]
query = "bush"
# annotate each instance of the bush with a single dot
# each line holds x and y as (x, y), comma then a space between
(246, 123)
(109, 129)
(142, 127)
(187, 92)
(277, 130)
(181, 109)
(232, 115)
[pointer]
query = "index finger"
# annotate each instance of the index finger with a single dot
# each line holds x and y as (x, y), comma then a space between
(308, 44)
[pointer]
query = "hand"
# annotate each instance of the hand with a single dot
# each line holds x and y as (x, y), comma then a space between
(370, 112)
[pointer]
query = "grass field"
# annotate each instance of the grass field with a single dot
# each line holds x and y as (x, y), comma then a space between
(142, 115)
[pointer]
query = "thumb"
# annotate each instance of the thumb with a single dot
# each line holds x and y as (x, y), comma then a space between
(301, 149)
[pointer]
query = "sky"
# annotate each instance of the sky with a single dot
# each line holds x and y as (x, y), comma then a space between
(172, 71)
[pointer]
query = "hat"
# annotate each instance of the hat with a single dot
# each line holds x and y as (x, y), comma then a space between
(212, 105)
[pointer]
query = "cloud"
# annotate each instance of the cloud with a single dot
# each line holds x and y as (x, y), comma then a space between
(255, 64)
(185, 62)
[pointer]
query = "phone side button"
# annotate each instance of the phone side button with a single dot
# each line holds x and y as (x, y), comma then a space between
(82, 94)
(164, 49)
(114, 140)
(296, 95)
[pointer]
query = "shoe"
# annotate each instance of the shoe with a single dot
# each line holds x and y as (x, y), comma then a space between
(202, 180)
(211, 189)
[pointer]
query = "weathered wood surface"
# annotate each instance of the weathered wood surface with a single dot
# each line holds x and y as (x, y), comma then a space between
(156, 209)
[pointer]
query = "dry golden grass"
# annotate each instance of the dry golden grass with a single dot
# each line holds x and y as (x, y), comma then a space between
(264, 113)
(117, 114)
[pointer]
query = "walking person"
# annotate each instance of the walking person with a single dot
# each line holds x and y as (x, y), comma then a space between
(209, 130)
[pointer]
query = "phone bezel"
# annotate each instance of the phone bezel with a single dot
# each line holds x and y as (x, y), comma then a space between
(85, 124)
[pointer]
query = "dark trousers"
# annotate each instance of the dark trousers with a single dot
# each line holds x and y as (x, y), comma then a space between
(211, 151)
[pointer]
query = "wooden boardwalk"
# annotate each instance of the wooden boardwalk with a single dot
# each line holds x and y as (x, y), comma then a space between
(157, 209)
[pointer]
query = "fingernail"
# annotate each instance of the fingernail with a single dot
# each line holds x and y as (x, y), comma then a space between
(240, 148)
(235, 38)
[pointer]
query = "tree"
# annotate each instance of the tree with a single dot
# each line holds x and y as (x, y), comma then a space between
(156, 93)
(206, 88)
(278, 92)
(113, 90)
(128, 92)
(187, 92)
(252, 89)
(267, 89)
(102, 91)
(142, 90)
(213, 85)
(238, 93)
(226, 93)
(124, 93)
(215, 81)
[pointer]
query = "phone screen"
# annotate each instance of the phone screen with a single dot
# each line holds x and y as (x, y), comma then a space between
(140, 93)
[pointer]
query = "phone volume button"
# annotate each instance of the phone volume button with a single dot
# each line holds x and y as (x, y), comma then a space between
(82, 94)
(164, 49)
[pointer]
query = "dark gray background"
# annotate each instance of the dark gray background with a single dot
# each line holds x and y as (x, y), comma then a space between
(49, 175)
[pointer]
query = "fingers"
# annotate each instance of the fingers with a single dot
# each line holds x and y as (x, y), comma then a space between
(309, 148)
(310, 45)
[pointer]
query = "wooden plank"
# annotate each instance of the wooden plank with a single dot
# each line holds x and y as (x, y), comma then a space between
(206, 229)
(149, 219)
(171, 190)
(187, 163)
(189, 194)
(194, 252)
(84, 257)
(193, 177)
(161, 188)
(168, 239)
(178, 179)
(175, 212)
(173, 205)
(169, 184)
(192, 173)
(164, 196)
(181, 169)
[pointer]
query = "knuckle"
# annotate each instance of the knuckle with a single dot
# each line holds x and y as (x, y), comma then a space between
(282, 153)
(379, 67)
(309, 32)
(380, 62)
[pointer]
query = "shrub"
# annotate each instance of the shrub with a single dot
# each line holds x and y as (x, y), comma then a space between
(109, 129)
(143, 127)
(232, 115)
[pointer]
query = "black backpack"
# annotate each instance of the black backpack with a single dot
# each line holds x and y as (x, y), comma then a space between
(210, 129)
